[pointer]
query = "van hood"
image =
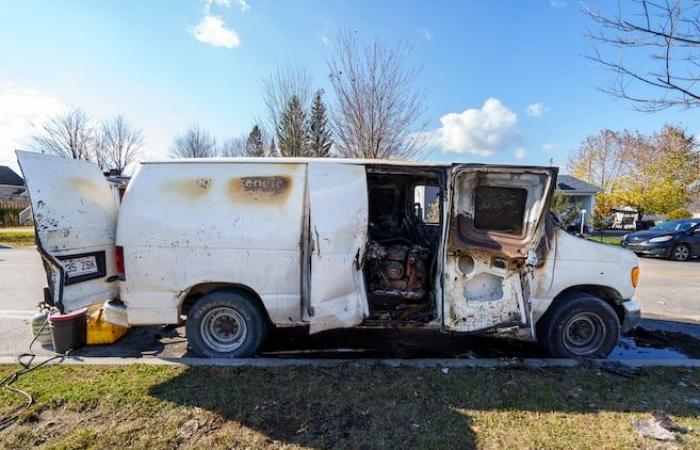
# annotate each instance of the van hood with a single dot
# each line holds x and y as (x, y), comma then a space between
(572, 248)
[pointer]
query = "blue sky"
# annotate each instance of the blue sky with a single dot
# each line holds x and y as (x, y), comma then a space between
(144, 59)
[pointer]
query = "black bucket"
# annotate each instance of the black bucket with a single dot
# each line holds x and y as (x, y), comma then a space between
(68, 331)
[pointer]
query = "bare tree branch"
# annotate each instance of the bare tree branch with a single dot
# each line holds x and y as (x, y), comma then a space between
(233, 147)
(378, 113)
(278, 90)
(118, 144)
(70, 134)
(667, 76)
(194, 143)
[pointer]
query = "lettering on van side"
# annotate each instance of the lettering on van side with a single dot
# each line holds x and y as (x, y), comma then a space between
(271, 185)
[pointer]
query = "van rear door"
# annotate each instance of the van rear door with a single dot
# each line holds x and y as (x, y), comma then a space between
(75, 218)
(338, 236)
(497, 215)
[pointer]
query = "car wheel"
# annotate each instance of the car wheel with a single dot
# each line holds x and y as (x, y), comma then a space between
(579, 325)
(680, 252)
(226, 324)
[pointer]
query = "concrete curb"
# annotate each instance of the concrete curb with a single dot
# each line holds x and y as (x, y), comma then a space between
(369, 362)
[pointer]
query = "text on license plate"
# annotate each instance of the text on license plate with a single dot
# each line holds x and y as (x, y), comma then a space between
(76, 267)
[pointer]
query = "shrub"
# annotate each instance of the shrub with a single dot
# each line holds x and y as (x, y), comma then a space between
(9, 217)
(679, 213)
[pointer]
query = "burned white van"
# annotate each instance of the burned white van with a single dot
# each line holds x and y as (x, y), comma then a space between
(236, 246)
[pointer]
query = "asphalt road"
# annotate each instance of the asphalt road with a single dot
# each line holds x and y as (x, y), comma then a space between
(668, 290)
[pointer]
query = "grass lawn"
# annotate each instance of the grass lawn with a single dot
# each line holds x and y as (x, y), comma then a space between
(612, 240)
(360, 408)
(17, 236)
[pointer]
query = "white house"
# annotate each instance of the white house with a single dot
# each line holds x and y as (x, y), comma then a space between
(11, 184)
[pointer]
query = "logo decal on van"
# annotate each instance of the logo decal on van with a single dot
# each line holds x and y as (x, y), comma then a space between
(261, 191)
(268, 185)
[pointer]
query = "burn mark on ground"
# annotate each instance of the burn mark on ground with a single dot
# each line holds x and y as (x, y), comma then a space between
(272, 190)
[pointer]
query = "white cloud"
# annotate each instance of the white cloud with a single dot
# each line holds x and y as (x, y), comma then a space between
(244, 5)
(20, 109)
(426, 34)
(477, 131)
(325, 40)
(535, 109)
(557, 3)
(520, 152)
(549, 146)
(212, 30)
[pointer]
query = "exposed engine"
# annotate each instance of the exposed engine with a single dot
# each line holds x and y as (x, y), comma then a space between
(398, 271)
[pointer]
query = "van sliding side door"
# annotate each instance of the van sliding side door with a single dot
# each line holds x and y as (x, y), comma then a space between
(338, 234)
(496, 221)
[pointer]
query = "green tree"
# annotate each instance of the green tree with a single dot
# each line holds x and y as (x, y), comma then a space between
(665, 174)
(655, 174)
(679, 213)
(254, 145)
(292, 136)
(273, 147)
(562, 208)
(319, 132)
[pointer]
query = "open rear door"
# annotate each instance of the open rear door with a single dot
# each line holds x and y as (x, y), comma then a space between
(338, 234)
(496, 222)
(75, 218)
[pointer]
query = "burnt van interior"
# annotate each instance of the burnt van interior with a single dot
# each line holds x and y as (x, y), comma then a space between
(405, 226)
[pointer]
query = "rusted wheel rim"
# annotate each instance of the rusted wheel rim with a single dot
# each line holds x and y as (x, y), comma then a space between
(223, 329)
(584, 334)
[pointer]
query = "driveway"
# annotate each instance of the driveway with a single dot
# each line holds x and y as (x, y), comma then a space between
(668, 290)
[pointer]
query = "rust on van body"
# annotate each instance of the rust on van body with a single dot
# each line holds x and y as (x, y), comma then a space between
(87, 188)
(263, 189)
(190, 188)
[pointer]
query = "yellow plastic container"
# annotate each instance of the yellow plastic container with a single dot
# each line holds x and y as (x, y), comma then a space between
(99, 331)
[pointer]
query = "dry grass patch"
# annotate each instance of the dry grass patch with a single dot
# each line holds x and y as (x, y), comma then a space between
(347, 407)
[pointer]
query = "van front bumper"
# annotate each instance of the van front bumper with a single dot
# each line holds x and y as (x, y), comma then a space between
(631, 314)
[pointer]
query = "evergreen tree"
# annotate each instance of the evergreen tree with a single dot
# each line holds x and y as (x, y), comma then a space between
(319, 133)
(292, 137)
(254, 145)
(273, 147)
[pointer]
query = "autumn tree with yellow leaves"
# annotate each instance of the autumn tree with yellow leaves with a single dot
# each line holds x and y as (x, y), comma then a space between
(655, 173)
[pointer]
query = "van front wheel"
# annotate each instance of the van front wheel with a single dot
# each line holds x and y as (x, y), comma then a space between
(579, 325)
(225, 324)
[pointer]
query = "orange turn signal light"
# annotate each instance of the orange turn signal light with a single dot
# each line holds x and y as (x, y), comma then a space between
(635, 276)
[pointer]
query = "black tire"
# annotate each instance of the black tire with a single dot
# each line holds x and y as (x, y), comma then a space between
(225, 315)
(680, 252)
(579, 325)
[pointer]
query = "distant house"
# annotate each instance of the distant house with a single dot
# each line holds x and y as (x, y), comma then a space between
(11, 184)
(580, 194)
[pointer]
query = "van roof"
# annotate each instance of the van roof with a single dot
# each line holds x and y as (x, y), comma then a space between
(278, 160)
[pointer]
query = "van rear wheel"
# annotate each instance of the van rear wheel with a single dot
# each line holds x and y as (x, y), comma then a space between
(579, 325)
(225, 324)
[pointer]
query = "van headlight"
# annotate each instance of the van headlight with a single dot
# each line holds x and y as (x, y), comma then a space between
(660, 239)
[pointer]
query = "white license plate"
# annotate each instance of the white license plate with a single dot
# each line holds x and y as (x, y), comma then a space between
(76, 267)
